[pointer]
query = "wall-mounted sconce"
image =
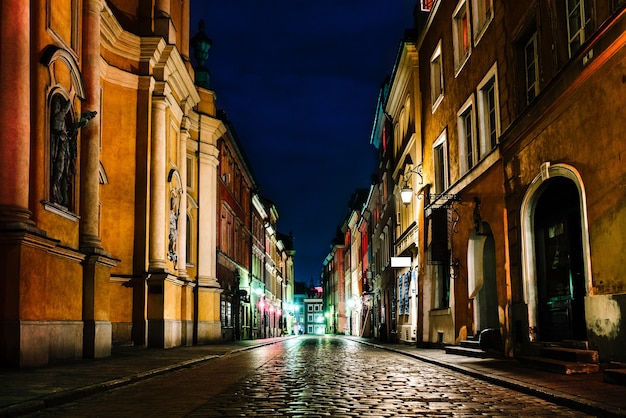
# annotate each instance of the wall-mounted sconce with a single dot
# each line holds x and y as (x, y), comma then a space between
(406, 193)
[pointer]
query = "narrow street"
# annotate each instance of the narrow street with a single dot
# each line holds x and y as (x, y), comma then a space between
(311, 376)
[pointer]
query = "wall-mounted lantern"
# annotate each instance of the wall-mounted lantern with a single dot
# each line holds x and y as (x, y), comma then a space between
(406, 193)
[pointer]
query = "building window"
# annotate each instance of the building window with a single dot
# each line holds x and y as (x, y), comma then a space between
(442, 297)
(531, 68)
(191, 170)
(467, 137)
(436, 77)
(482, 15)
(426, 5)
(226, 314)
(440, 256)
(460, 34)
(488, 112)
(189, 240)
(310, 308)
(440, 163)
(309, 318)
(575, 24)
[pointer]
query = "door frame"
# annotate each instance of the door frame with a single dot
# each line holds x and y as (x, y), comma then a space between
(527, 214)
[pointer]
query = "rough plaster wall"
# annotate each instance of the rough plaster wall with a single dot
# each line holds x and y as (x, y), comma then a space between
(604, 325)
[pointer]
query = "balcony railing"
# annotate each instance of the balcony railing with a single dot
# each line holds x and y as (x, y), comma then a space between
(408, 238)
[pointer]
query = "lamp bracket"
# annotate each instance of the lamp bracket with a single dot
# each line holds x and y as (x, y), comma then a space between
(417, 170)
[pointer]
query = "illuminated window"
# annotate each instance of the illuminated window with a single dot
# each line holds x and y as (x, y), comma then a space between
(426, 5)
(440, 163)
(488, 112)
(436, 77)
(482, 15)
(460, 34)
(467, 137)
(531, 68)
(225, 314)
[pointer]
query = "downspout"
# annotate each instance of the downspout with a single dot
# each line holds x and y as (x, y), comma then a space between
(197, 287)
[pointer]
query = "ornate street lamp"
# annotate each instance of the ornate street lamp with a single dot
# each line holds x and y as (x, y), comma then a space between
(201, 45)
(406, 193)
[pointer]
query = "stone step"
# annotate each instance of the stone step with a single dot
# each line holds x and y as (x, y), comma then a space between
(466, 351)
(471, 344)
(615, 376)
(559, 366)
(570, 354)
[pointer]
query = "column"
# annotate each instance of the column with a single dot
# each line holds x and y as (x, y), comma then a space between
(158, 199)
(207, 216)
(182, 217)
(97, 331)
(208, 290)
(90, 134)
(163, 21)
(15, 116)
(185, 31)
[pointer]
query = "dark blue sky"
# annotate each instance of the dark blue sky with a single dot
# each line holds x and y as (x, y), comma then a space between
(299, 81)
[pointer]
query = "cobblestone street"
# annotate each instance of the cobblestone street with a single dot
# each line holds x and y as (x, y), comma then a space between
(312, 376)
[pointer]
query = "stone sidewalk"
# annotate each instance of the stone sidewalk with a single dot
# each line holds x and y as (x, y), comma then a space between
(584, 392)
(30, 390)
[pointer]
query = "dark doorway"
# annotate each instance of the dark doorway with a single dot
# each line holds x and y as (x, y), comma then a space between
(560, 271)
(487, 297)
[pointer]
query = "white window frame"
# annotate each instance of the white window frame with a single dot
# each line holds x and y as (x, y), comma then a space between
(579, 34)
(440, 185)
(468, 147)
(484, 112)
(531, 85)
(462, 50)
(482, 15)
(426, 5)
(436, 77)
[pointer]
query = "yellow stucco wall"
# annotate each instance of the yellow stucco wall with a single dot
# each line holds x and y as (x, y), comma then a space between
(119, 196)
(51, 287)
(589, 138)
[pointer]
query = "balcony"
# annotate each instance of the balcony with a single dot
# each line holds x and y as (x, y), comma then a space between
(408, 238)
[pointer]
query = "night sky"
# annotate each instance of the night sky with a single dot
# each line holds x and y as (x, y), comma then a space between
(299, 80)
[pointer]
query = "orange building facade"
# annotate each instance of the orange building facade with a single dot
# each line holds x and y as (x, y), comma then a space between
(109, 203)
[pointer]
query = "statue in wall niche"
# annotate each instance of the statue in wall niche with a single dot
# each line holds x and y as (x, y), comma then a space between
(62, 152)
(63, 148)
(172, 253)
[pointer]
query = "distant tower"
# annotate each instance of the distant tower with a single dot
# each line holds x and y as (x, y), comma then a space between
(201, 45)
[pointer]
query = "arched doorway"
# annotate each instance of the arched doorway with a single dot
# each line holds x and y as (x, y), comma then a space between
(482, 285)
(554, 209)
(559, 262)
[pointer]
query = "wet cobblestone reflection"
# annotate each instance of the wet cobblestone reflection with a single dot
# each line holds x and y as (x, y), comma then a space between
(339, 378)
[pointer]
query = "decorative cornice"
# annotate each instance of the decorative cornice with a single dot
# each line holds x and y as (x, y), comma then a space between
(115, 39)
